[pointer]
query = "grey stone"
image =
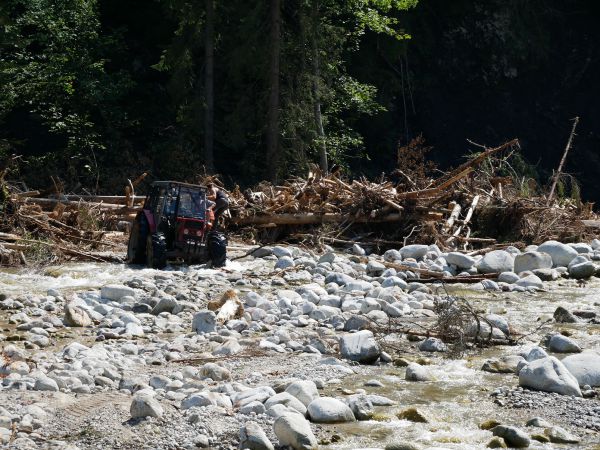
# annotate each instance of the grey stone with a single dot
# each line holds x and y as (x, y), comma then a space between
(255, 407)
(460, 260)
(558, 435)
(508, 277)
(585, 367)
(530, 281)
(505, 364)
(204, 321)
(284, 262)
(530, 261)
(561, 315)
(165, 304)
(416, 372)
(432, 345)
(496, 261)
(360, 346)
(144, 405)
(215, 372)
(549, 375)
(560, 253)
(294, 430)
(287, 399)
(304, 390)
(361, 406)
(253, 437)
(329, 410)
(513, 436)
(416, 251)
(76, 316)
(582, 270)
(116, 292)
(562, 344)
(45, 384)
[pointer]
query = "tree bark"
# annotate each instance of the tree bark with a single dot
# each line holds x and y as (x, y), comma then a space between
(209, 116)
(315, 88)
(272, 155)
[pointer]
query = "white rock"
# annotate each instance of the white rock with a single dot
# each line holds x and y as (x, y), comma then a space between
(508, 277)
(253, 437)
(432, 345)
(360, 346)
(562, 344)
(294, 430)
(460, 260)
(116, 292)
(416, 372)
(530, 261)
(288, 400)
(145, 406)
(496, 261)
(329, 410)
(560, 253)
(304, 390)
(530, 281)
(215, 372)
(585, 367)
(204, 322)
(416, 251)
(75, 316)
(284, 262)
(549, 375)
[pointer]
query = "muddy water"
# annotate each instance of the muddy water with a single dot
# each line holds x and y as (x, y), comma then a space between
(456, 402)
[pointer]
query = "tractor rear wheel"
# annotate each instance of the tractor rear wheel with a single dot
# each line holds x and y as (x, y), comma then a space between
(156, 251)
(136, 248)
(217, 248)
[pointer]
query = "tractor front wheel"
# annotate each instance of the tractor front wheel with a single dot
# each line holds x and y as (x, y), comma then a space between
(156, 251)
(136, 249)
(217, 248)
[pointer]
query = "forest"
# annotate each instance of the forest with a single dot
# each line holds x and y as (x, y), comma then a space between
(98, 91)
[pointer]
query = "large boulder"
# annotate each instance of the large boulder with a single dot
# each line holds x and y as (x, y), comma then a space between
(562, 344)
(361, 406)
(532, 261)
(360, 346)
(460, 260)
(416, 251)
(144, 405)
(329, 410)
(253, 437)
(560, 253)
(562, 315)
(288, 400)
(75, 316)
(549, 375)
(304, 390)
(581, 269)
(116, 292)
(585, 367)
(294, 431)
(496, 261)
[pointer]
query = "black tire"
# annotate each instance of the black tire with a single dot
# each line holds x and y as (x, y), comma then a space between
(136, 248)
(217, 248)
(156, 251)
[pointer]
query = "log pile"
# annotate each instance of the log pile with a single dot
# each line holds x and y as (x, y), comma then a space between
(479, 204)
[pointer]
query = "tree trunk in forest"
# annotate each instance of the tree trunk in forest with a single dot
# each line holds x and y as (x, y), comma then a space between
(315, 87)
(209, 116)
(273, 112)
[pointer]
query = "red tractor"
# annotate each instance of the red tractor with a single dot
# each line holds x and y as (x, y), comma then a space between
(176, 223)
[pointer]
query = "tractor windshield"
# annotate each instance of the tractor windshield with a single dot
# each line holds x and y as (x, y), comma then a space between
(192, 204)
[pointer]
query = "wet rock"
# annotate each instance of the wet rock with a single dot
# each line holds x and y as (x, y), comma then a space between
(496, 442)
(432, 345)
(561, 315)
(144, 405)
(116, 292)
(561, 254)
(304, 390)
(513, 436)
(558, 435)
(329, 410)
(530, 261)
(294, 430)
(413, 415)
(505, 364)
(489, 424)
(530, 281)
(582, 270)
(360, 346)
(585, 367)
(549, 375)
(403, 446)
(76, 316)
(496, 261)
(253, 437)
(540, 438)
(460, 260)
(204, 322)
(562, 344)
(361, 407)
(538, 422)
(416, 372)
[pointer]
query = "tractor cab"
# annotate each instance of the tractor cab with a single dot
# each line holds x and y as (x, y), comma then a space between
(176, 223)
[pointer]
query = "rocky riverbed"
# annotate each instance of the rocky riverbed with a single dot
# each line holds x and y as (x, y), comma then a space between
(108, 356)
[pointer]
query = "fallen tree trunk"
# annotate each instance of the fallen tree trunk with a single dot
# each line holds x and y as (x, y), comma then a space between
(313, 219)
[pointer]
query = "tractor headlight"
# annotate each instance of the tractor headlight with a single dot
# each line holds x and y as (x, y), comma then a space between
(186, 231)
